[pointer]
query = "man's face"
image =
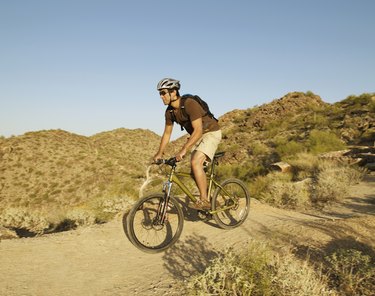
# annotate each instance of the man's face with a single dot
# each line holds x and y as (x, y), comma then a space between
(166, 95)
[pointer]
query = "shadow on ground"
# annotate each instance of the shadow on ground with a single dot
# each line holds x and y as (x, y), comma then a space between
(189, 256)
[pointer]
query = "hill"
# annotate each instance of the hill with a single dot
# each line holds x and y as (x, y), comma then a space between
(298, 122)
(51, 179)
(55, 180)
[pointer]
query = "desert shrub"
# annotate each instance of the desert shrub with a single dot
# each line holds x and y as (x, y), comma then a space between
(278, 189)
(23, 218)
(286, 149)
(105, 208)
(309, 93)
(368, 135)
(324, 141)
(299, 277)
(358, 102)
(234, 274)
(273, 128)
(257, 148)
(245, 171)
(352, 272)
(332, 181)
(311, 181)
(303, 165)
(80, 216)
(320, 120)
(258, 271)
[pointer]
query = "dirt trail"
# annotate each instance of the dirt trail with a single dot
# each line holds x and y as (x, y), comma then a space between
(100, 260)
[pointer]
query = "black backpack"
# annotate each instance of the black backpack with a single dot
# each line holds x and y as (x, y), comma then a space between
(195, 98)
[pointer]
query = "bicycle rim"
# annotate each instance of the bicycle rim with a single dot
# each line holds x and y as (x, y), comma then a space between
(146, 232)
(231, 202)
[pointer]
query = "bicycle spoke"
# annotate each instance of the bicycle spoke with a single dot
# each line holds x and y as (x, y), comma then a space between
(147, 231)
(231, 203)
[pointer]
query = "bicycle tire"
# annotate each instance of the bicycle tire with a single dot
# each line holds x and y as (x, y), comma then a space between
(240, 199)
(145, 233)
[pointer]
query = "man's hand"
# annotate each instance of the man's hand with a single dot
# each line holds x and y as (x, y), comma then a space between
(157, 157)
(180, 155)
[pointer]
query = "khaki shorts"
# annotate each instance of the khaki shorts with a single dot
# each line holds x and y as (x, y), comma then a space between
(208, 143)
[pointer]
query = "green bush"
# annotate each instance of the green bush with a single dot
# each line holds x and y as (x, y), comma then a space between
(359, 101)
(324, 141)
(245, 171)
(287, 149)
(258, 148)
(273, 128)
(304, 165)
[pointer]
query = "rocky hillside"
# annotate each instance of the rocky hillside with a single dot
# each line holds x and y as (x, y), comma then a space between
(257, 137)
(260, 117)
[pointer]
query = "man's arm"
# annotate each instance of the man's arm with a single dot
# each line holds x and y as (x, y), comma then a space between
(164, 141)
(197, 125)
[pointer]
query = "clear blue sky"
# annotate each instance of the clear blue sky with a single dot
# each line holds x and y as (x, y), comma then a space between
(88, 66)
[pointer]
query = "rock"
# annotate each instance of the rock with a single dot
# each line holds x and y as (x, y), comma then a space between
(281, 167)
(6, 233)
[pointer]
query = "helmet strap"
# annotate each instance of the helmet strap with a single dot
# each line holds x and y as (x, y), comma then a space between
(171, 101)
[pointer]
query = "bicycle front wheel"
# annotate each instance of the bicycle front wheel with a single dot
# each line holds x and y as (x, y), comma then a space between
(231, 203)
(146, 230)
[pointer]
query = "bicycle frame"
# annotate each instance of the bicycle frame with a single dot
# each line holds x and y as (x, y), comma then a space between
(174, 177)
(155, 222)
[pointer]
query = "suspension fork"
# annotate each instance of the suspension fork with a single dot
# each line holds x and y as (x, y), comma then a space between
(163, 205)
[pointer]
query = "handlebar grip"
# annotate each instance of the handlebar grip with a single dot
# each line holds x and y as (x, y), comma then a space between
(159, 161)
(172, 161)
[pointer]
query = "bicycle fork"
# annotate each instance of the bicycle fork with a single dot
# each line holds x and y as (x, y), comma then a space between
(163, 206)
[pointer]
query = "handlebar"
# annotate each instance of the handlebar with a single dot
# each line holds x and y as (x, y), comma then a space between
(171, 161)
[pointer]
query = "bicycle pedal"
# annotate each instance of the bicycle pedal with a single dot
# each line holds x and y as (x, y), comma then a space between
(204, 215)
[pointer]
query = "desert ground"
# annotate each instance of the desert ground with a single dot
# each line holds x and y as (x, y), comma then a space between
(100, 260)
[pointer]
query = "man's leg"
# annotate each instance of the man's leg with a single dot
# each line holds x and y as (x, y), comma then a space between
(197, 160)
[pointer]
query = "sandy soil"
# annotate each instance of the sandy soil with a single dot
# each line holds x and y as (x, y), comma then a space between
(100, 260)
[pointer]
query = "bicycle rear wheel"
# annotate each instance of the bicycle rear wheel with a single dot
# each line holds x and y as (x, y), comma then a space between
(146, 231)
(231, 203)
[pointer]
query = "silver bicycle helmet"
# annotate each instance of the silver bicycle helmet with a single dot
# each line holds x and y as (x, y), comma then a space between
(168, 83)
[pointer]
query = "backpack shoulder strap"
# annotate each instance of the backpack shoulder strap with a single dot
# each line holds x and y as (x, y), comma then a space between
(173, 116)
(183, 100)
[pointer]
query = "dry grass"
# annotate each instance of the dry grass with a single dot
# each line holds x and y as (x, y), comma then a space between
(333, 181)
(352, 272)
(259, 271)
(312, 181)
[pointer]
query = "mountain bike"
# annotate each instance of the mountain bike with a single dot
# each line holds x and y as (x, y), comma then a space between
(155, 222)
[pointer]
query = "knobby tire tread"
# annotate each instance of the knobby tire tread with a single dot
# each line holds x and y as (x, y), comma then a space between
(247, 200)
(130, 224)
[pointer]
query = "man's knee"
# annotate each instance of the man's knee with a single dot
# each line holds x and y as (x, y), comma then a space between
(198, 159)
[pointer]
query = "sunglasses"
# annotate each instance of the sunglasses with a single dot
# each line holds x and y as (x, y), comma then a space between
(162, 93)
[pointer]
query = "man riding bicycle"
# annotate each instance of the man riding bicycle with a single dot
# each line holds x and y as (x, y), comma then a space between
(204, 130)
